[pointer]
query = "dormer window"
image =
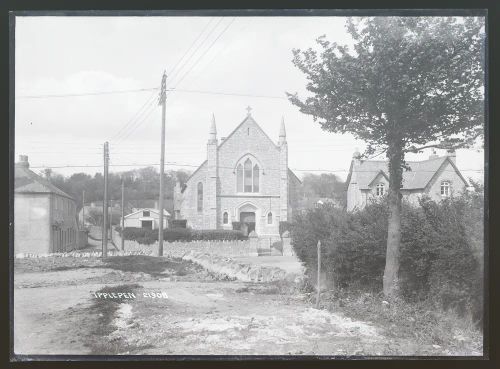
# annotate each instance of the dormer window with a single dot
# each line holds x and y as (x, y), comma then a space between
(247, 176)
(380, 189)
(445, 188)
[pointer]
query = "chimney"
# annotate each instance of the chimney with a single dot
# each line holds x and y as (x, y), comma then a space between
(356, 156)
(23, 161)
(433, 155)
(452, 154)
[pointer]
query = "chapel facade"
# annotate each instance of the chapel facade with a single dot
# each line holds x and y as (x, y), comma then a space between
(244, 182)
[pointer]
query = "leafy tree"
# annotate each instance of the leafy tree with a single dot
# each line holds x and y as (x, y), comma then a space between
(407, 84)
(324, 185)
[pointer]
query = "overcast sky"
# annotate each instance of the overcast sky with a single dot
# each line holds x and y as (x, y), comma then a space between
(242, 55)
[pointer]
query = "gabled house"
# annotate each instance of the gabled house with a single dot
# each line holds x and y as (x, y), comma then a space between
(44, 216)
(146, 218)
(438, 177)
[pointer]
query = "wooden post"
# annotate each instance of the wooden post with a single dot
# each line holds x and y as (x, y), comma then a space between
(163, 97)
(105, 204)
(123, 215)
(319, 274)
(83, 209)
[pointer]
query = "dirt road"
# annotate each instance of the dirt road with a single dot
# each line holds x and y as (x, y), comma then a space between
(56, 312)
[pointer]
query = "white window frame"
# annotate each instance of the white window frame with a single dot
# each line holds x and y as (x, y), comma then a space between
(445, 188)
(380, 189)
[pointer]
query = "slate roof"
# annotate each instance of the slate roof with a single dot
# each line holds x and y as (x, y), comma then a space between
(156, 211)
(26, 181)
(418, 177)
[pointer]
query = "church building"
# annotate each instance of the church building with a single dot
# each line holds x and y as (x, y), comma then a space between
(245, 180)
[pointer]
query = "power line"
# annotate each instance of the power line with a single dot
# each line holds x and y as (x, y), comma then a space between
(94, 93)
(174, 75)
(173, 70)
(206, 50)
(227, 93)
(151, 97)
(174, 164)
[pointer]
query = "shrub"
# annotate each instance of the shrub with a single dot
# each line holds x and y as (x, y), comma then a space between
(440, 257)
(177, 223)
(149, 236)
(284, 226)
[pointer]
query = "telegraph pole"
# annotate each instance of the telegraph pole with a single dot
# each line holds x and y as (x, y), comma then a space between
(105, 203)
(163, 100)
(123, 216)
(111, 221)
(83, 209)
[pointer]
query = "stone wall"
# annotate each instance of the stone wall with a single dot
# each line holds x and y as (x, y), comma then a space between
(178, 249)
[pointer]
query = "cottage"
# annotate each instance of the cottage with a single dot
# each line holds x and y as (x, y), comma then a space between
(245, 180)
(438, 177)
(44, 216)
(146, 218)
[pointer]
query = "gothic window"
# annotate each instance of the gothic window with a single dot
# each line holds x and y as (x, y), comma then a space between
(200, 196)
(255, 178)
(380, 189)
(445, 188)
(239, 178)
(225, 218)
(270, 218)
(247, 177)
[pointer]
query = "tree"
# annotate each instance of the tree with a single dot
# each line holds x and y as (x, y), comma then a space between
(324, 185)
(407, 84)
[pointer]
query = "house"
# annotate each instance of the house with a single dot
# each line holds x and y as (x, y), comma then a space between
(44, 216)
(244, 179)
(146, 218)
(438, 177)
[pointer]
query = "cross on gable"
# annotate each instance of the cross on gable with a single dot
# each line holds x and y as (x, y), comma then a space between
(249, 110)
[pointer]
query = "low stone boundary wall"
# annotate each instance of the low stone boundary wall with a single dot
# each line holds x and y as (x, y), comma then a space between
(80, 254)
(244, 272)
(178, 249)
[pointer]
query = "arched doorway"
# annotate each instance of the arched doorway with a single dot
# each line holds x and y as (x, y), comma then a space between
(247, 218)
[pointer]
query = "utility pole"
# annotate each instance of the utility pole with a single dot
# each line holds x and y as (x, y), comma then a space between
(83, 209)
(163, 100)
(111, 221)
(123, 216)
(105, 203)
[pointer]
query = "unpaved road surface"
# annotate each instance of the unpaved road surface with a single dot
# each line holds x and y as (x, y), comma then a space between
(56, 312)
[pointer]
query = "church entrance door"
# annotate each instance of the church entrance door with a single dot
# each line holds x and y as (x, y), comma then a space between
(247, 220)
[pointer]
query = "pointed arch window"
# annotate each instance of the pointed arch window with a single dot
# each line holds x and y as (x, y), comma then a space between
(270, 218)
(200, 196)
(248, 177)
(225, 218)
(255, 178)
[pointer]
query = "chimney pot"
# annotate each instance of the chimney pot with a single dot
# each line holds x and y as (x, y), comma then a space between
(23, 161)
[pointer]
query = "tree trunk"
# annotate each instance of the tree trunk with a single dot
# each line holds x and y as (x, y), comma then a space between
(396, 156)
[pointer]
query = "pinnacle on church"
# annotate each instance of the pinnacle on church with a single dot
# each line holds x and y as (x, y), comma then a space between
(249, 111)
(282, 128)
(213, 128)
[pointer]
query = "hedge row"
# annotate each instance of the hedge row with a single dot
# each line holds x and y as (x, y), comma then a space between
(149, 236)
(440, 257)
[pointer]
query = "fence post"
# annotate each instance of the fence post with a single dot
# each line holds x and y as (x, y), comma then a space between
(319, 274)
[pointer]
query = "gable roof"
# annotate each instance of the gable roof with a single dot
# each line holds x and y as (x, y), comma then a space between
(250, 119)
(421, 173)
(148, 209)
(26, 181)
